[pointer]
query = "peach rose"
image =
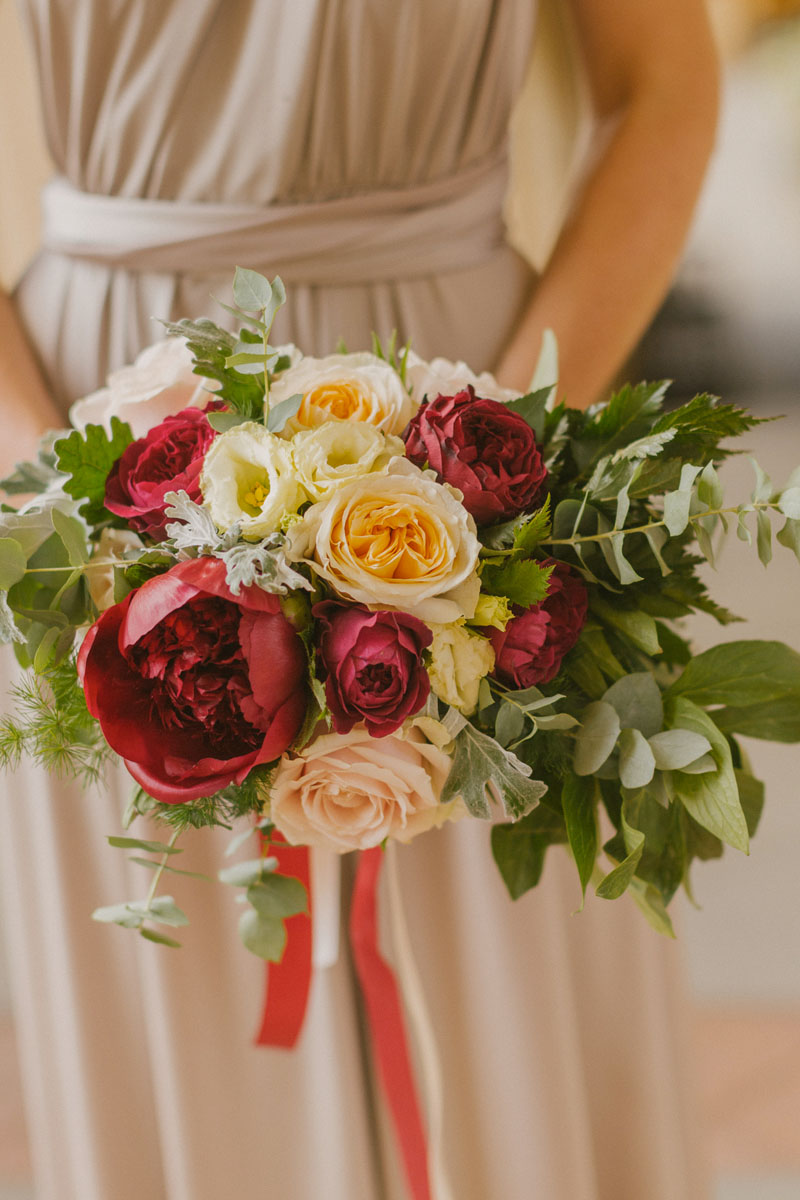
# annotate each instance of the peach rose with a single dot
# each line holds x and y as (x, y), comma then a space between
(345, 387)
(398, 540)
(352, 791)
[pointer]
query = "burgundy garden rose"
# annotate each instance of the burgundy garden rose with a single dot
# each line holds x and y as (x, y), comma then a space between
(169, 458)
(192, 685)
(373, 667)
(481, 447)
(530, 649)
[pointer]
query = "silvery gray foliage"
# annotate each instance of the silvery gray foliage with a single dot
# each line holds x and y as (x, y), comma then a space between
(8, 628)
(261, 563)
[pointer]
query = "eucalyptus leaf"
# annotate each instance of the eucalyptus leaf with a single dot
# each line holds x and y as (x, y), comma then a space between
(13, 563)
(162, 909)
(126, 843)
(251, 291)
(677, 503)
(263, 936)
(223, 421)
(160, 938)
(119, 914)
(596, 738)
(510, 724)
(244, 874)
(283, 412)
(674, 749)
(637, 701)
(789, 536)
(789, 503)
(278, 896)
(634, 624)
(154, 865)
(636, 762)
(764, 537)
(73, 536)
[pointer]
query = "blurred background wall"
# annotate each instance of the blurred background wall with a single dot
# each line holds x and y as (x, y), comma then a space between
(731, 325)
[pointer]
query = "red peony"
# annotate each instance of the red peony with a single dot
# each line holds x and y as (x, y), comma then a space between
(530, 649)
(481, 447)
(169, 458)
(192, 685)
(373, 666)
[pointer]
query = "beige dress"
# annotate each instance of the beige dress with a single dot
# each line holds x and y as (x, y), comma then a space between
(560, 1037)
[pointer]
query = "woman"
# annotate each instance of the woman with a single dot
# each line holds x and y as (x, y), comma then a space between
(559, 1044)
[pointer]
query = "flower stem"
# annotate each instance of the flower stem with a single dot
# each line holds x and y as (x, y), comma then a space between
(159, 871)
(576, 539)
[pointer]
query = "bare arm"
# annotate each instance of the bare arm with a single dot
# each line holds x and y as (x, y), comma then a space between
(653, 69)
(26, 409)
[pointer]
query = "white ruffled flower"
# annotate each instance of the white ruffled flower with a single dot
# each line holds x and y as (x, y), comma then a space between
(345, 387)
(158, 384)
(460, 659)
(113, 544)
(440, 377)
(398, 540)
(337, 452)
(351, 791)
(249, 480)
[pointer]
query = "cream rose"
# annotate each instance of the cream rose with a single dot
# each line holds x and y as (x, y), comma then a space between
(440, 377)
(159, 383)
(248, 479)
(333, 454)
(398, 540)
(345, 387)
(352, 791)
(460, 658)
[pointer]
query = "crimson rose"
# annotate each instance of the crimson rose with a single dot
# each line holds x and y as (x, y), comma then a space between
(481, 447)
(192, 685)
(530, 649)
(168, 458)
(373, 665)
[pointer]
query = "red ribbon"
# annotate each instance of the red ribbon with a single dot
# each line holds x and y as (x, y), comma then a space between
(287, 998)
(289, 981)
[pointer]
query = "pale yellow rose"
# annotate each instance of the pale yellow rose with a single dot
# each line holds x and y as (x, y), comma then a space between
(460, 658)
(249, 479)
(492, 610)
(345, 387)
(398, 540)
(331, 455)
(352, 791)
(159, 383)
(440, 377)
(112, 544)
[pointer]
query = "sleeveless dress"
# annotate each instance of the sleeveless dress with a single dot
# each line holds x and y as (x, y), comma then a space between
(561, 1039)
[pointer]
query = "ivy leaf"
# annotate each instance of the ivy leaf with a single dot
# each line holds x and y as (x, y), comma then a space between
(524, 582)
(86, 458)
(483, 770)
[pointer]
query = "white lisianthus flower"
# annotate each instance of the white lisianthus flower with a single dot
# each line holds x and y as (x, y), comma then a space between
(249, 479)
(158, 384)
(345, 387)
(333, 454)
(351, 791)
(440, 377)
(460, 658)
(113, 544)
(398, 540)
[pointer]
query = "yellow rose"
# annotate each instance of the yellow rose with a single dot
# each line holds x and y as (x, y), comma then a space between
(333, 454)
(352, 791)
(345, 387)
(460, 658)
(248, 479)
(398, 540)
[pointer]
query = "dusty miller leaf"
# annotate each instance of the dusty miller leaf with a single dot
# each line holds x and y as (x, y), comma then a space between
(482, 769)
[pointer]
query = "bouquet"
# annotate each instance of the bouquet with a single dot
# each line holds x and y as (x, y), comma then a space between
(349, 599)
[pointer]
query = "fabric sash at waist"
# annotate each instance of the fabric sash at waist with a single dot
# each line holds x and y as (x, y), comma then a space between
(386, 235)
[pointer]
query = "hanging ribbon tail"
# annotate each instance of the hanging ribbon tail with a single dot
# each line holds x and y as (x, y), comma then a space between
(387, 1027)
(289, 981)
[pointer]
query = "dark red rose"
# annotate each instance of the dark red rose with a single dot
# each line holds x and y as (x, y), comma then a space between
(169, 458)
(530, 649)
(373, 667)
(192, 685)
(481, 447)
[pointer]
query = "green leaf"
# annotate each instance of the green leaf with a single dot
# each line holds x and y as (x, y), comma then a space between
(519, 849)
(677, 503)
(510, 724)
(636, 762)
(223, 421)
(617, 882)
(741, 674)
(118, 914)
(772, 720)
(751, 794)
(251, 291)
(789, 503)
(13, 563)
(627, 416)
(160, 938)
(532, 410)
(639, 627)
(577, 798)
(154, 864)
(651, 905)
(596, 737)
(283, 412)
(73, 536)
(713, 797)
(534, 530)
(764, 537)
(278, 896)
(164, 910)
(86, 458)
(244, 874)
(674, 749)
(637, 701)
(789, 536)
(483, 770)
(262, 936)
(126, 843)
(524, 583)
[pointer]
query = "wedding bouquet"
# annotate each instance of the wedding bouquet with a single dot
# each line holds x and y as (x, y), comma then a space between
(352, 598)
